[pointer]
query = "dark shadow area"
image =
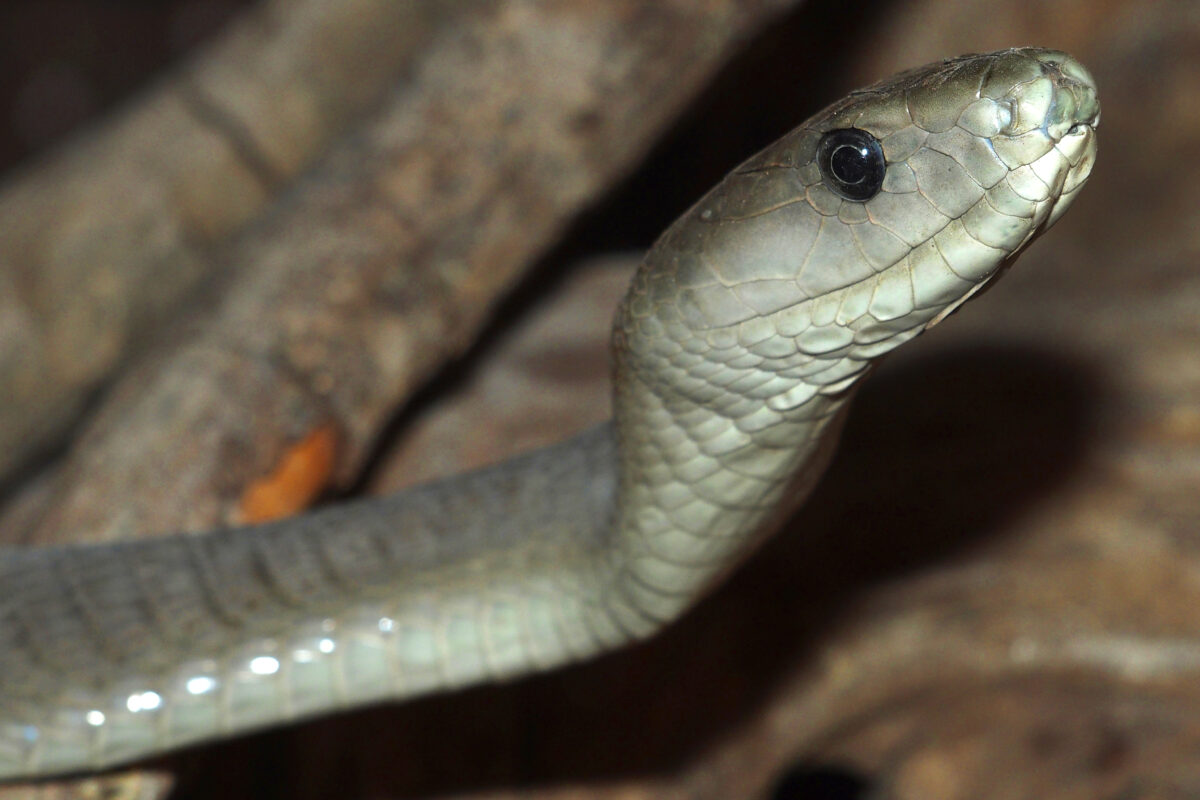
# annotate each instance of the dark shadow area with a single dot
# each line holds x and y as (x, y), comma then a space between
(939, 456)
(942, 452)
(62, 64)
(809, 781)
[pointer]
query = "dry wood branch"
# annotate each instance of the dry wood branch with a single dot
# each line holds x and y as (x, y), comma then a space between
(104, 238)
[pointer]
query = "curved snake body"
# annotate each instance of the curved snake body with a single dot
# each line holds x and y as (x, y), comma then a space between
(738, 346)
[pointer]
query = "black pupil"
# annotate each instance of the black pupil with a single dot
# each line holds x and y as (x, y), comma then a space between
(852, 163)
(849, 163)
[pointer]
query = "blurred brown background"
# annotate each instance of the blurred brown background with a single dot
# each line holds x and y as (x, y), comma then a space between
(995, 591)
(63, 62)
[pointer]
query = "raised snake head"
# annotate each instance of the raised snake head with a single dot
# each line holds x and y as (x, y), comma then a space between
(870, 222)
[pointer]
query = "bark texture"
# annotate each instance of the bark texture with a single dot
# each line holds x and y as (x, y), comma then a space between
(105, 237)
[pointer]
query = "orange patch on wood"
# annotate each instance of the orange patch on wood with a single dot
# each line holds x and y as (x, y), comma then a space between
(297, 480)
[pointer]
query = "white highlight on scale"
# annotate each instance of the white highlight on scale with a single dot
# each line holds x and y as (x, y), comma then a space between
(264, 665)
(200, 684)
(144, 701)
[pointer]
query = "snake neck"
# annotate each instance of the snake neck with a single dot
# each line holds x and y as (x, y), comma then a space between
(715, 447)
(697, 494)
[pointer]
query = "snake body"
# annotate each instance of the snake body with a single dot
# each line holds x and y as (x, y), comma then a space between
(737, 349)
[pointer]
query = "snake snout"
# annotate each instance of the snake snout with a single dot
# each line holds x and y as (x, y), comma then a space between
(1075, 103)
(1045, 92)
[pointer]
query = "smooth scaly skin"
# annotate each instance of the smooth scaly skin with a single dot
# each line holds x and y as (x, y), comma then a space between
(737, 349)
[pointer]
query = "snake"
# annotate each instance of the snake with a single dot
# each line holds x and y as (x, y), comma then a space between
(737, 349)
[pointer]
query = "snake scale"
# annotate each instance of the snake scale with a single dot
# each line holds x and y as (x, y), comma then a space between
(737, 349)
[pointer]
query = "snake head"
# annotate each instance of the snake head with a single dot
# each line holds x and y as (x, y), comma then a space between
(867, 224)
(753, 317)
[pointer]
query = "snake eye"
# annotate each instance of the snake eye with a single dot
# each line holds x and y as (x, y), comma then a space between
(852, 163)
